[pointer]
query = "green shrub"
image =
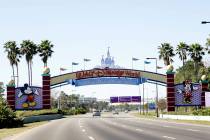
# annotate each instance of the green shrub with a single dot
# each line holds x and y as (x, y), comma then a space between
(8, 118)
(202, 112)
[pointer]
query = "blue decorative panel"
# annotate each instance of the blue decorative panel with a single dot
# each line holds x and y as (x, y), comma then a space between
(188, 94)
(107, 80)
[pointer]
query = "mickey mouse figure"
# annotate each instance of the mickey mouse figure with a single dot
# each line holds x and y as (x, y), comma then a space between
(188, 87)
(29, 102)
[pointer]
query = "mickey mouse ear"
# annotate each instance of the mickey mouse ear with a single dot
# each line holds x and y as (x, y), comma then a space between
(25, 85)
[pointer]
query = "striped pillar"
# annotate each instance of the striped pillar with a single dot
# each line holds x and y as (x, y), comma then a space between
(204, 85)
(11, 97)
(46, 91)
(170, 91)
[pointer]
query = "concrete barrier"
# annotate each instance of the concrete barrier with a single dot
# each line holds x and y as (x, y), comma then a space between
(40, 118)
(185, 117)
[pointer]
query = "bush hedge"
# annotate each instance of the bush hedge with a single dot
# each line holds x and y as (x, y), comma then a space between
(202, 112)
(8, 118)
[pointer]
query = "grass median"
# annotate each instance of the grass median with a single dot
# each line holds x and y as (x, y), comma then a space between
(152, 116)
(6, 132)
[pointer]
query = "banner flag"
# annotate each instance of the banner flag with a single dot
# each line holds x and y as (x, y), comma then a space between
(147, 62)
(74, 63)
(63, 69)
(86, 60)
(135, 59)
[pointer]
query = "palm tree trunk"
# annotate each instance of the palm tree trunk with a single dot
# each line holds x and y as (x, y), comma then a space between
(196, 72)
(13, 73)
(17, 75)
(183, 67)
(29, 81)
(31, 71)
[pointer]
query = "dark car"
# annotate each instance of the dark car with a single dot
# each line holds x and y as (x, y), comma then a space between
(97, 113)
(115, 112)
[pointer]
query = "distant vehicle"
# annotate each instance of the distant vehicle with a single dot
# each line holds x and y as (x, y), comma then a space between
(126, 111)
(96, 113)
(115, 112)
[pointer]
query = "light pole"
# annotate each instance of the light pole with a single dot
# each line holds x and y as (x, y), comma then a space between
(145, 63)
(134, 59)
(73, 64)
(86, 60)
(154, 58)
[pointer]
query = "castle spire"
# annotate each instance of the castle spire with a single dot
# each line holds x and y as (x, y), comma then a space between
(108, 53)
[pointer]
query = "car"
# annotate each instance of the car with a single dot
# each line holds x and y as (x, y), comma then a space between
(96, 113)
(115, 112)
(126, 111)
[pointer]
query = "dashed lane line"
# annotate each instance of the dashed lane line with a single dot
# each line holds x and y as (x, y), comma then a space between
(167, 137)
(194, 130)
(140, 130)
(91, 138)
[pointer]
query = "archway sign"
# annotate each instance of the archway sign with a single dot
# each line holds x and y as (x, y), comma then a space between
(30, 97)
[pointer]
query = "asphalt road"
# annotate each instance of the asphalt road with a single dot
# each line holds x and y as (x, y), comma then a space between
(114, 127)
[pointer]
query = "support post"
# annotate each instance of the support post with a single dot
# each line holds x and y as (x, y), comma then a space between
(170, 92)
(11, 96)
(46, 91)
(204, 85)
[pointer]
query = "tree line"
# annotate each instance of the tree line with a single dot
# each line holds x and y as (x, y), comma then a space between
(28, 49)
(187, 53)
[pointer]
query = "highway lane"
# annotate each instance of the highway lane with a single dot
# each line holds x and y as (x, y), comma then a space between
(114, 127)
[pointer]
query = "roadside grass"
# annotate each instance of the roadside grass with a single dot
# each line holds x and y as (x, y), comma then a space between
(36, 112)
(6, 132)
(152, 116)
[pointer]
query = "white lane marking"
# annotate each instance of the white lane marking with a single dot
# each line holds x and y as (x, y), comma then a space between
(80, 126)
(194, 130)
(91, 138)
(140, 130)
(167, 137)
(167, 126)
(83, 130)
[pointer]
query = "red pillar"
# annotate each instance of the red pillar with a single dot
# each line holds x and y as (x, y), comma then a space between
(46, 91)
(170, 91)
(204, 85)
(11, 97)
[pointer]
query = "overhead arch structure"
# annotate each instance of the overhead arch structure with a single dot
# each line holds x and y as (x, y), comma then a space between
(108, 76)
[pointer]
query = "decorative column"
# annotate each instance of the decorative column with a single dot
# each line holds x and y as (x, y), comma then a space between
(11, 94)
(204, 85)
(46, 89)
(170, 89)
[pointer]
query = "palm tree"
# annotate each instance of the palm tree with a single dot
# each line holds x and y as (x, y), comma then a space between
(181, 50)
(17, 60)
(45, 51)
(13, 54)
(166, 52)
(29, 49)
(207, 45)
(196, 52)
(8, 46)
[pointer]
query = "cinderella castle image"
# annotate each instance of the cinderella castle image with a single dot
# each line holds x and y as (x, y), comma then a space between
(108, 62)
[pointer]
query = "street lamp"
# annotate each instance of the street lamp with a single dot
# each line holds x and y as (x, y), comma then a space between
(205, 22)
(154, 58)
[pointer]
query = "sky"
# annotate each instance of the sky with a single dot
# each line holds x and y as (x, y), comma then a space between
(86, 28)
